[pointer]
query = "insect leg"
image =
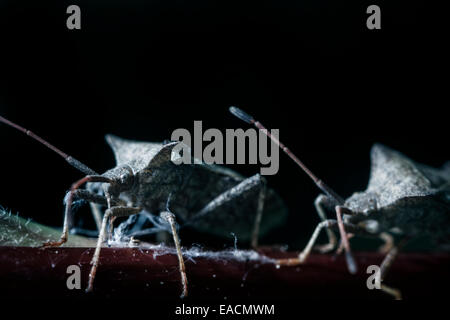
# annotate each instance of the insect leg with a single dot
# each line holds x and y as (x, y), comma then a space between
(385, 248)
(388, 242)
(97, 214)
(352, 268)
(118, 211)
(95, 200)
(170, 218)
(319, 203)
(259, 213)
(341, 245)
(397, 294)
(330, 223)
(244, 186)
(95, 207)
(228, 196)
(86, 195)
(68, 211)
(384, 268)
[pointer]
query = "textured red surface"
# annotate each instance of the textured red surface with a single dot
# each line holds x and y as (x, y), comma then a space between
(127, 272)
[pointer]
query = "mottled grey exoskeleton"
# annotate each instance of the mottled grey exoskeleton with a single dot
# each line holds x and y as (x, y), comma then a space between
(208, 198)
(403, 197)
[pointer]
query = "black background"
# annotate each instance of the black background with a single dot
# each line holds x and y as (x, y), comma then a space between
(142, 69)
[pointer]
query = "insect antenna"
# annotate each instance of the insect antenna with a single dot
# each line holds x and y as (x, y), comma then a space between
(322, 186)
(72, 161)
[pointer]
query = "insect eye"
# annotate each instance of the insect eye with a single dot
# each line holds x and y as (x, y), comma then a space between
(124, 179)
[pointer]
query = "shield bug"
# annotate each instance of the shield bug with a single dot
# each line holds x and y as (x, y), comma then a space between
(403, 197)
(208, 198)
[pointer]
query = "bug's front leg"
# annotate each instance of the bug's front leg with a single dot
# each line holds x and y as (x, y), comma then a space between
(320, 202)
(68, 210)
(388, 244)
(118, 211)
(385, 266)
(330, 223)
(96, 201)
(259, 212)
(170, 218)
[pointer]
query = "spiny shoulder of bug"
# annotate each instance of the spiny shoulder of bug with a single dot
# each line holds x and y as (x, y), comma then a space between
(134, 160)
(401, 194)
(146, 169)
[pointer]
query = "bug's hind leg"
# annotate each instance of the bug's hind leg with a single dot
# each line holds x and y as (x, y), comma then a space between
(68, 211)
(97, 214)
(396, 293)
(118, 211)
(328, 224)
(384, 268)
(319, 204)
(255, 181)
(259, 213)
(170, 218)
